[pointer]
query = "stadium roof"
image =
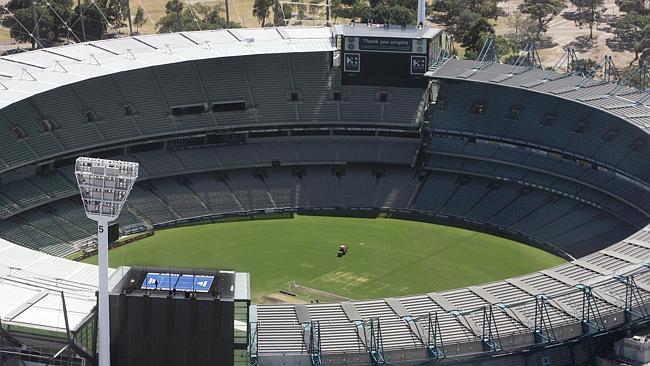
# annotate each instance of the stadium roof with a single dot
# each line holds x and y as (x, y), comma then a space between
(31, 284)
(25, 74)
(622, 101)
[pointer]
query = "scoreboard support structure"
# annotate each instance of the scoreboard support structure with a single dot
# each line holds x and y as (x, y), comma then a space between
(162, 316)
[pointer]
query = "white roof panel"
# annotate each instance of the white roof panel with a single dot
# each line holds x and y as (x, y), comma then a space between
(48, 312)
(120, 46)
(263, 34)
(79, 51)
(212, 37)
(13, 296)
(171, 40)
(64, 65)
(307, 32)
(25, 273)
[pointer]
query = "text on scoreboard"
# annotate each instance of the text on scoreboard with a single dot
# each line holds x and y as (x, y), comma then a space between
(383, 44)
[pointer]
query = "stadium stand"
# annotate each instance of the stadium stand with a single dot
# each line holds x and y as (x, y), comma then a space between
(256, 127)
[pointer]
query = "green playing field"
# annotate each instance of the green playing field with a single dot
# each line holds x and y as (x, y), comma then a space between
(387, 257)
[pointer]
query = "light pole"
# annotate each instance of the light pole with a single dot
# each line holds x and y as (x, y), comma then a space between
(104, 186)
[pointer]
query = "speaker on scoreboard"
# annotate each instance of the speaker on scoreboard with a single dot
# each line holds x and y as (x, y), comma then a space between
(113, 233)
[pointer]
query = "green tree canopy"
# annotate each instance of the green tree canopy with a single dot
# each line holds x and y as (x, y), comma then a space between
(193, 17)
(453, 8)
(542, 11)
(139, 19)
(50, 28)
(633, 31)
(262, 10)
(94, 23)
(637, 6)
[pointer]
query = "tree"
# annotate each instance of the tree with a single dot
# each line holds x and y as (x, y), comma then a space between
(474, 38)
(542, 11)
(282, 13)
(261, 10)
(193, 17)
(585, 65)
(114, 10)
(634, 6)
(453, 8)
(50, 28)
(95, 25)
(314, 9)
(465, 21)
(523, 26)
(504, 47)
(590, 12)
(139, 20)
(633, 30)
(391, 14)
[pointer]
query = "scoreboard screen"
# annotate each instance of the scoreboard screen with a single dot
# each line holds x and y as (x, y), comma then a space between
(384, 57)
(173, 281)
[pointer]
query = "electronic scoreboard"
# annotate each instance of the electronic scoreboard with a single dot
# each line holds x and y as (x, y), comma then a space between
(164, 316)
(386, 56)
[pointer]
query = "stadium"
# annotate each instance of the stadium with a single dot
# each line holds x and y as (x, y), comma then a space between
(346, 121)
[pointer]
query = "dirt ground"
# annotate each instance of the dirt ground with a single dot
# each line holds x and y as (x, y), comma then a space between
(564, 32)
(241, 11)
(303, 295)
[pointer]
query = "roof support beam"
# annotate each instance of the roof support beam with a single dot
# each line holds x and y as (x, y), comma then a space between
(447, 306)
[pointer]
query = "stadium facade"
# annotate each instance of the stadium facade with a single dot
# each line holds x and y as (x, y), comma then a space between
(250, 121)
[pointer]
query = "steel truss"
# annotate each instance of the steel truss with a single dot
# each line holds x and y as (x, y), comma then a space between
(435, 344)
(444, 54)
(252, 343)
(634, 306)
(528, 59)
(637, 78)
(71, 347)
(568, 61)
(376, 344)
(314, 346)
(487, 55)
(490, 337)
(608, 69)
(543, 331)
(591, 319)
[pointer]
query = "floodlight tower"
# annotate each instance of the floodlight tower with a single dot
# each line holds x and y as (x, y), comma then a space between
(104, 186)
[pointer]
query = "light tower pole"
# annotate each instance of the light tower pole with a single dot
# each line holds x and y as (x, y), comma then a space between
(104, 186)
(422, 11)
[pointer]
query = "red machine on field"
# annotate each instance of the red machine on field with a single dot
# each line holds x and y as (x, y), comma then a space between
(343, 250)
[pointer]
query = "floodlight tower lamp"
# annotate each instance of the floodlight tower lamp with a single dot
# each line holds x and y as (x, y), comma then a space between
(104, 186)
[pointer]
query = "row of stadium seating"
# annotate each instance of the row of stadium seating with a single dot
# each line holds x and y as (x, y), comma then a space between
(31, 192)
(601, 209)
(544, 120)
(448, 155)
(596, 193)
(138, 104)
(53, 228)
(565, 220)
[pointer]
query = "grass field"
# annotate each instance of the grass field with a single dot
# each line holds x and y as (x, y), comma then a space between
(387, 257)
